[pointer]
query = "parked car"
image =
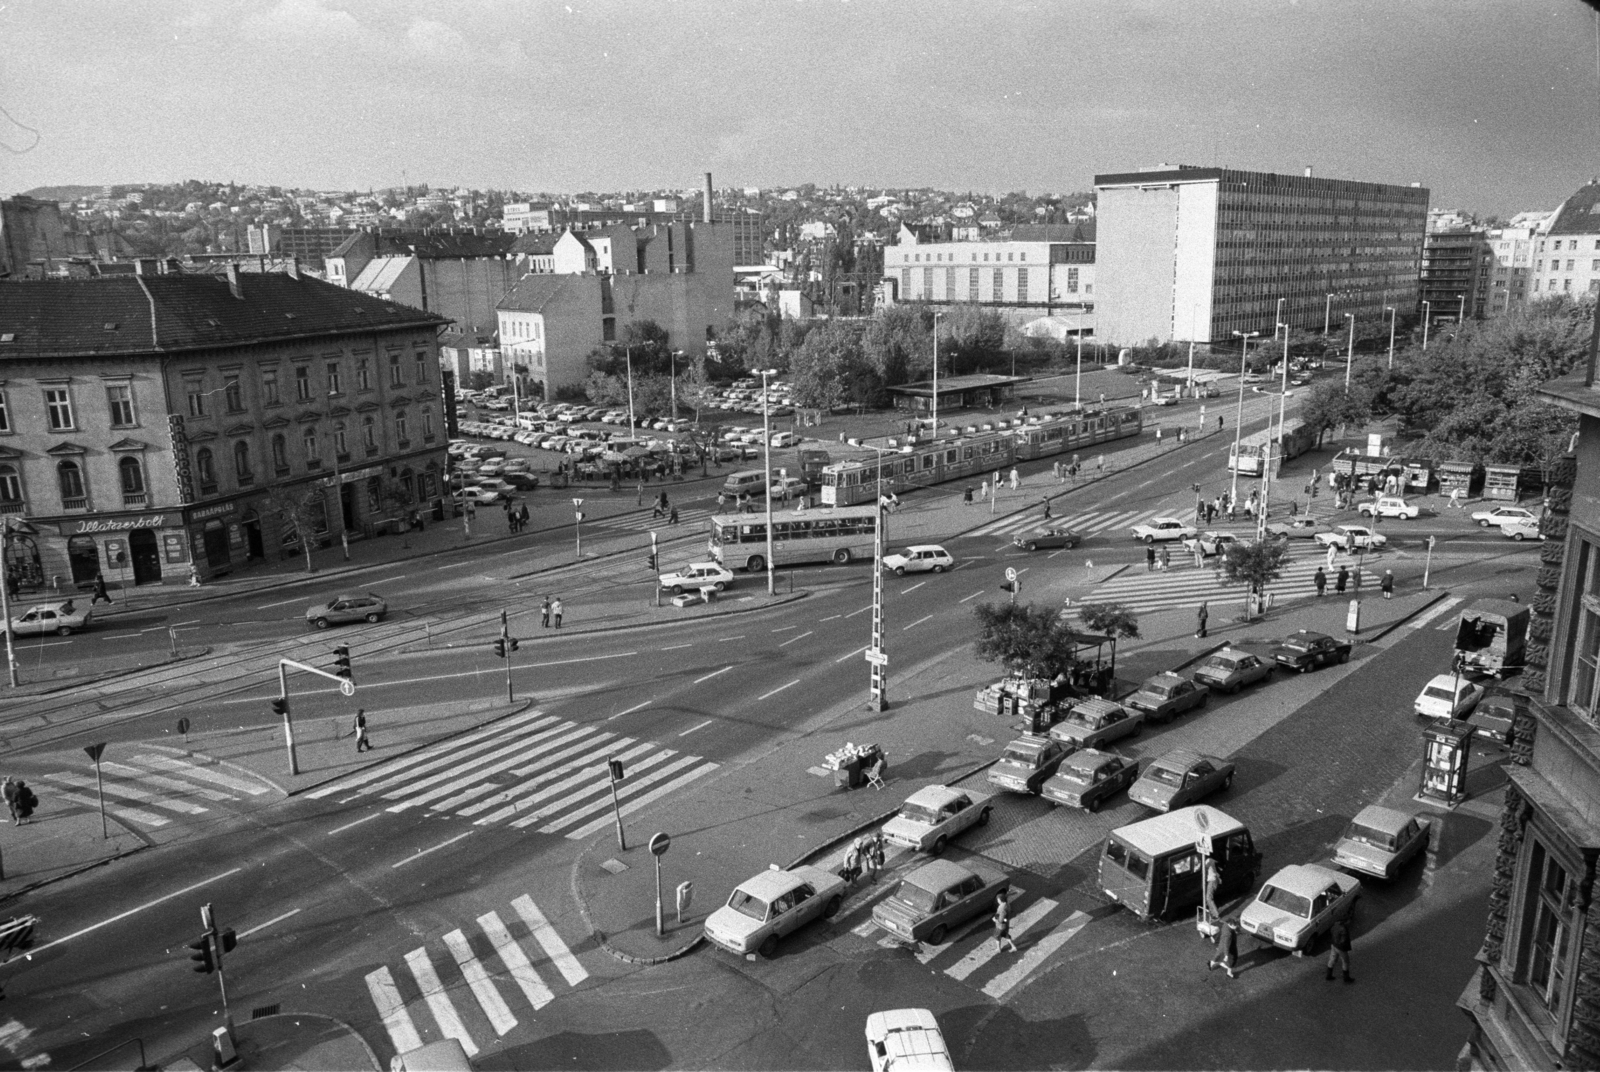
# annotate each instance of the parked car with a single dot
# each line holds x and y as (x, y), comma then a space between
(695, 576)
(1210, 543)
(1057, 537)
(1230, 670)
(1522, 529)
(934, 814)
(1379, 841)
(1503, 515)
(919, 558)
(1162, 528)
(520, 480)
(1299, 903)
(1297, 528)
(1094, 722)
(1447, 696)
(1389, 506)
(906, 1040)
(484, 496)
(785, 439)
(938, 896)
(1088, 778)
(1495, 717)
(360, 607)
(60, 617)
(1028, 762)
(1181, 778)
(766, 908)
(1166, 696)
(1305, 651)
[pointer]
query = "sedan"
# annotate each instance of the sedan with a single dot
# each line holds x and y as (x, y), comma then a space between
(362, 607)
(1230, 670)
(906, 1039)
(1523, 529)
(1181, 778)
(933, 815)
(1163, 528)
(1304, 651)
(1166, 696)
(1298, 903)
(763, 909)
(58, 618)
(1389, 506)
(1095, 722)
(1047, 538)
(1297, 528)
(1029, 762)
(922, 558)
(1379, 841)
(1495, 717)
(1339, 536)
(1210, 543)
(938, 896)
(1088, 778)
(1503, 515)
(1447, 696)
(695, 576)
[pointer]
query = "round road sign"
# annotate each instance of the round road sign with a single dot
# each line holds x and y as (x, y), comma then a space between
(183, 725)
(1011, 574)
(347, 687)
(659, 844)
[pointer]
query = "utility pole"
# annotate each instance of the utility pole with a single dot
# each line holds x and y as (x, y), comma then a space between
(5, 598)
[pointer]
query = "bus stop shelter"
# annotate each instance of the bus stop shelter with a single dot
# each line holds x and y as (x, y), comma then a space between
(981, 391)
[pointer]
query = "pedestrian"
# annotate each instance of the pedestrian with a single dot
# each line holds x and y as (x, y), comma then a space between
(1166, 558)
(722, 500)
(1149, 558)
(1340, 581)
(511, 518)
(1219, 422)
(522, 517)
(1199, 556)
(472, 509)
(1227, 949)
(544, 612)
(1350, 543)
(1387, 584)
(877, 854)
(26, 802)
(1055, 471)
(8, 789)
(852, 862)
(1181, 433)
(983, 490)
(1046, 502)
(1339, 949)
(1100, 462)
(1210, 882)
(1455, 498)
(1333, 550)
(360, 731)
(1016, 480)
(556, 611)
(1002, 923)
(672, 517)
(1321, 581)
(1200, 620)
(99, 589)
(1158, 437)
(966, 496)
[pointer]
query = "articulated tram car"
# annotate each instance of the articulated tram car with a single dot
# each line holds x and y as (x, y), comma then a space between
(974, 453)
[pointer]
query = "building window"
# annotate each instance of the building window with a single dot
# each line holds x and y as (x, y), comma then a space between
(269, 387)
(335, 387)
(195, 391)
(400, 428)
(308, 441)
(950, 284)
(241, 463)
(1546, 937)
(10, 490)
(119, 404)
(905, 284)
(1022, 284)
(58, 406)
(427, 424)
(369, 434)
(232, 396)
(5, 413)
(1570, 263)
(1072, 280)
(998, 293)
(74, 496)
(395, 377)
(302, 383)
(204, 471)
(341, 449)
(280, 454)
(927, 282)
(972, 284)
(131, 470)
(363, 374)
(422, 369)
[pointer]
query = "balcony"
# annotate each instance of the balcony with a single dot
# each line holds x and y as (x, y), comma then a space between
(313, 463)
(135, 498)
(81, 503)
(8, 507)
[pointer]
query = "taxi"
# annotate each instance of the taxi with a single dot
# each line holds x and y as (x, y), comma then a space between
(1181, 778)
(1028, 762)
(937, 897)
(764, 909)
(1230, 670)
(60, 618)
(906, 1040)
(1094, 722)
(1304, 651)
(1299, 903)
(1166, 696)
(933, 815)
(1089, 778)
(1379, 841)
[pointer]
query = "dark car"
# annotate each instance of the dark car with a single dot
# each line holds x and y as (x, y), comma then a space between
(1181, 778)
(356, 607)
(1048, 538)
(520, 481)
(1230, 670)
(1305, 651)
(1088, 777)
(1166, 696)
(1494, 719)
(1027, 763)
(938, 896)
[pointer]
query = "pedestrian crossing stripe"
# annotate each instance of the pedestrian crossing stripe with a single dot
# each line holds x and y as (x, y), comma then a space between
(637, 523)
(483, 980)
(1189, 587)
(528, 771)
(1092, 524)
(139, 791)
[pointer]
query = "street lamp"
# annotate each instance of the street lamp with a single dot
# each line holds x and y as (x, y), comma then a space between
(877, 657)
(1238, 417)
(674, 356)
(1350, 355)
(766, 449)
(1327, 313)
(1283, 403)
(936, 317)
(633, 425)
(1391, 311)
(1427, 314)
(5, 597)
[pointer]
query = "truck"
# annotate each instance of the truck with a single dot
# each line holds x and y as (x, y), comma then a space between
(1491, 637)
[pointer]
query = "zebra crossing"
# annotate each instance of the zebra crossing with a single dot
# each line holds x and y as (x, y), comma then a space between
(1184, 585)
(472, 957)
(530, 771)
(1112, 522)
(690, 519)
(151, 789)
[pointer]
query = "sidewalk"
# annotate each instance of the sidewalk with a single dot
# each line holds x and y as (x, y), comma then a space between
(287, 1042)
(784, 808)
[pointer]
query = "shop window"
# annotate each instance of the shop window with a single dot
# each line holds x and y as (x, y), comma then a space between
(119, 402)
(131, 471)
(280, 454)
(241, 463)
(74, 494)
(11, 501)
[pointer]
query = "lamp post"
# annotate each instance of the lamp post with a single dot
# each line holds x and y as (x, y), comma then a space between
(1461, 313)
(1283, 405)
(1327, 314)
(1427, 314)
(674, 356)
(877, 657)
(5, 597)
(1238, 417)
(1350, 355)
(633, 425)
(936, 317)
(766, 453)
(1077, 382)
(1391, 311)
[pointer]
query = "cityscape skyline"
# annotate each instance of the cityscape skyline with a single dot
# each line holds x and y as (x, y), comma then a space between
(616, 96)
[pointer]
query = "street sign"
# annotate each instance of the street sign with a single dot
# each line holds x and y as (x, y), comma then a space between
(877, 658)
(1431, 541)
(1011, 575)
(94, 750)
(659, 844)
(576, 503)
(183, 726)
(347, 687)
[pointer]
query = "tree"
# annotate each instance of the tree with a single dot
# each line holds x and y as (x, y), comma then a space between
(1256, 564)
(899, 344)
(1026, 639)
(479, 380)
(1328, 405)
(1111, 619)
(302, 508)
(825, 369)
(974, 339)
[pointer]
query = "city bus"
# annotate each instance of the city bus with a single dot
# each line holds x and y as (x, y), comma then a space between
(823, 534)
(1294, 440)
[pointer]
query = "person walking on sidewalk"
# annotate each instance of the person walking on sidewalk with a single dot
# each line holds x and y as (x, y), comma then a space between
(556, 610)
(1321, 581)
(1002, 923)
(100, 589)
(1455, 498)
(1046, 502)
(522, 518)
(1387, 584)
(672, 516)
(360, 731)
(1166, 558)
(1227, 949)
(544, 612)
(966, 496)
(8, 789)
(1340, 581)
(1200, 621)
(1016, 479)
(1339, 949)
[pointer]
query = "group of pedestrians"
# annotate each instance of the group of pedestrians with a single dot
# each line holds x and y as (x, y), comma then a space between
(20, 800)
(551, 609)
(1154, 559)
(516, 516)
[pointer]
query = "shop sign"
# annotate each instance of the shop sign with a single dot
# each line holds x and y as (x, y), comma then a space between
(200, 513)
(119, 524)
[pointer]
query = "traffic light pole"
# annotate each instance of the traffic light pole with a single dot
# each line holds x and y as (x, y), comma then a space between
(655, 563)
(614, 766)
(210, 921)
(505, 639)
(346, 686)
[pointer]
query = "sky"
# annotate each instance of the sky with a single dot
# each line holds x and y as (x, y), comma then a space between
(1492, 104)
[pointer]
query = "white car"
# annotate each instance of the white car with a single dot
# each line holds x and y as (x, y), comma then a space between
(1210, 543)
(767, 907)
(921, 558)
(1298, 903)
(1503, 515)
(933, 815)
(1447, 696)
(58, 618)
(695, 576)
(906, 1040)
(1163, 528)
(1388, 506)
(1526, 529)
(1365, 538)
(785, 439)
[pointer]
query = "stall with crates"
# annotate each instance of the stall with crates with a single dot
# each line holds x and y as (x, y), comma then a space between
(1502, 482)
(1467, 477)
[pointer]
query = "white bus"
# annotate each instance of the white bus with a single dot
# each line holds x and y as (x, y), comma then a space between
(1294, 440)
(825, 534)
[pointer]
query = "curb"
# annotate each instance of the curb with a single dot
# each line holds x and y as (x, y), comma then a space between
(113, 675)
(76, 871)
(1398, 622)
(599, 936)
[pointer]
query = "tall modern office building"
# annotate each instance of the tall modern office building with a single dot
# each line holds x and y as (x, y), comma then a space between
(1199, 253)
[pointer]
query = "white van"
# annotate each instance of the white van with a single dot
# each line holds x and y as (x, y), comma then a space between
(745, 482)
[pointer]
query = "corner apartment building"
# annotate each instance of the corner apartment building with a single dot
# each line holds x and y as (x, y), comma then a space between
(1038, 271)
(460, 275)
(1199, 253)
(151, 423)
(1566, 255)
(1510, 268)
(1453, 284)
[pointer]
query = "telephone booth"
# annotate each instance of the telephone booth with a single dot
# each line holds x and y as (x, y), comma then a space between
(1444, 766)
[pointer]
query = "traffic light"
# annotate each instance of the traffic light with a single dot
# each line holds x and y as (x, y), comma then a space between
(615, 766)
(203, 962)
(280, 705)
(227, 940)
(650, 560)
(512, 643)
(500, 647)
(1008, 586)
(341, 661)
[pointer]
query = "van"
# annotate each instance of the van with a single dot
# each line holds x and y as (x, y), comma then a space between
(1153, 868)
(745, 482)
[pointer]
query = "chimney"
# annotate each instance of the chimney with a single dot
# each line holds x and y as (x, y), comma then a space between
(234, 284)
(707, 216)
(1308, 173)
(294, 266)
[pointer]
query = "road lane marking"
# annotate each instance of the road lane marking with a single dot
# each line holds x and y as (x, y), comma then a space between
(282, 603)
(631, 710)
(489, 1000)
(974, 595)
(724, 640)
(913, 588)
(123, 636)
(516, 961)
(791, 640)
(122, 789)
(852, 654)
(189, 770)
(176, 784)
(533, 792)
(457, 565)
(1012, 977)
(678, 647)
(925, 952)
(779, 689)
(392, 1011)
(708, 677)
(386, 774)
(630, 785)
(988, 950)
(444, 1013)
(547, 937)
(386, 580)
(424, 852)
(919, 621)
(134, 911)
(863, 610)
(831, 617)
(268, 923)
(701, 726)
(491, 763)
(785, 628)
(358, 822)
(1433, 612)
(649, 798)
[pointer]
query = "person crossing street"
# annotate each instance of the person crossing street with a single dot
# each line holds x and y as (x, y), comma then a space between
(1201, 616)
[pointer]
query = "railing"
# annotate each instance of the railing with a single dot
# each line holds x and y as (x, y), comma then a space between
(80, 503)
(135, 498)
(13, 507)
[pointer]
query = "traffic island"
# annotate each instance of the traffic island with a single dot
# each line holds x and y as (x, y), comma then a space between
(286, 1042)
